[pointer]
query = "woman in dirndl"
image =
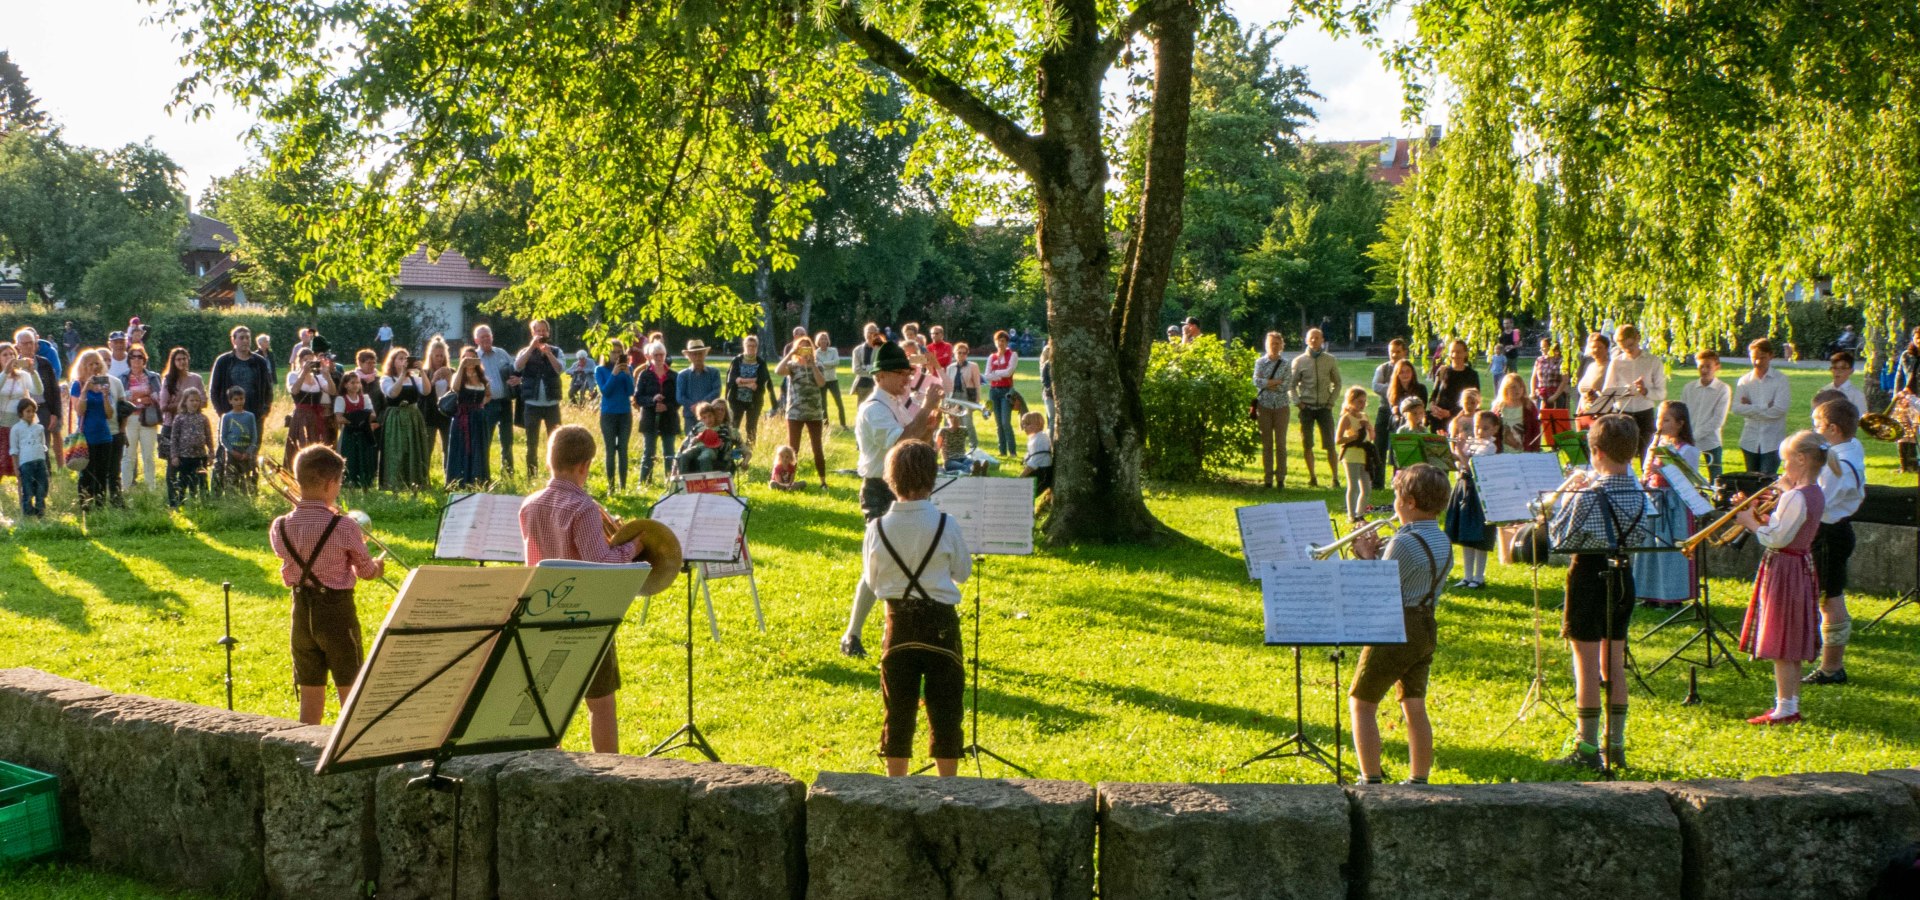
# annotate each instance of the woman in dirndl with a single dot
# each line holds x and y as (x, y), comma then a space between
(311, 386)
(1667, 579)
(466, 461)
(18, 381)
(406, 445)
(1783, 618)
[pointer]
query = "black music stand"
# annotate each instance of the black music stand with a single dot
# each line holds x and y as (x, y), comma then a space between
(974, 749)
(688, 735)
(1298, 744)
(1710, 634)
(1537, 685)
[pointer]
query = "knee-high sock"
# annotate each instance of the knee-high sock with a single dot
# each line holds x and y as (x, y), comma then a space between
(1616, 724)
(1588, 718)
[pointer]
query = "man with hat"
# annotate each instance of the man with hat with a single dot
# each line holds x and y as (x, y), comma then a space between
(1189, 330)
(887, 417)
(696, 384)
(117, 351)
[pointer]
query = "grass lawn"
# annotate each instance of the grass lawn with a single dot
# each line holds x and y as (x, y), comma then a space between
(1100, 663)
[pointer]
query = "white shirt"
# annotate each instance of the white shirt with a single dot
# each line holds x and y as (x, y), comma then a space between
(1763, 402)
(878, 425)
(28, 441)
(1784, 525)
(1040, 449)
(118, 368)
(1625, 370)
(1853, 393)
(829, 360)
(910, 526)
(1707, 408)
(1845, 490)
(384, 334)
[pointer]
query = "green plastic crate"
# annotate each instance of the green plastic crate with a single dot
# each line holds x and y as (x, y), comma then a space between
(29, 813)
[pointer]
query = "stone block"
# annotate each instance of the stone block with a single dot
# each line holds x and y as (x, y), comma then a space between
(415, 829)
(34, 732)
(1908, 777)
(1224, 841)
(931, 838)
(577, 826)
(1882, 561)
(172, 792)
(1795, 836)
(1556, 840)
(319, 830)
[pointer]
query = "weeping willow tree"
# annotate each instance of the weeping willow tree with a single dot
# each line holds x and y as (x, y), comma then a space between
(1688, 165)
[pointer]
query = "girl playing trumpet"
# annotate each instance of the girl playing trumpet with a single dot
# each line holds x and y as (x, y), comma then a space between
(1783, 618)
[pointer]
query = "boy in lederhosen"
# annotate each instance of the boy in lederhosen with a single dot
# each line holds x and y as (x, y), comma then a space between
(322, 555)
(915, 558)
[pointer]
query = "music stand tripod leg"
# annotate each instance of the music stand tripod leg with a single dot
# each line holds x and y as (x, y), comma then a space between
(1298, 744)
(973, 750)
(693, 739)
(1537, 686)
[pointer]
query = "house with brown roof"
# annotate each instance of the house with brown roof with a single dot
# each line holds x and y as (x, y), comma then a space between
(439, 289)
(1391, 159)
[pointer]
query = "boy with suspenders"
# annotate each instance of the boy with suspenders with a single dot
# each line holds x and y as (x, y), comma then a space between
(322, 554)
(1836, 421)
(915, 558)
(1419, 495)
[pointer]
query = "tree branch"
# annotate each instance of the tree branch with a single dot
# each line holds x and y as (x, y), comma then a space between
(1006, 135)
(1144, 14)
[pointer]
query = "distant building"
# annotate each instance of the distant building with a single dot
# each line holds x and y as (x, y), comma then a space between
(439, 290)
(1392, 158)
(209, 258)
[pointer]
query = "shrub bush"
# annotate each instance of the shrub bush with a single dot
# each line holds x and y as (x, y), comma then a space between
(204, 332)
(1196, 398)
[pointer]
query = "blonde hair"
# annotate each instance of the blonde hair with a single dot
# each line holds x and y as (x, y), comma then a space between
(1356, 396)
(1034, 420)
(1470, 400)
(1513, 392)
(1811, 445)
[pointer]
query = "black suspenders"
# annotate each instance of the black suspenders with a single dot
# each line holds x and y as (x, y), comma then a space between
(307, 578)
(1433, 566)
(914, 590)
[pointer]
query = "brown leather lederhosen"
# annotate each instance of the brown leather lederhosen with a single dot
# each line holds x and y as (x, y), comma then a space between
(326, 628)
(922, 642)
(1406, 664)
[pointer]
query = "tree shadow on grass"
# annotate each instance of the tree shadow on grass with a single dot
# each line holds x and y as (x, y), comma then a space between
(1149, 700)
(995, 703)
(116, 581)
(246, 574)
(45, 601)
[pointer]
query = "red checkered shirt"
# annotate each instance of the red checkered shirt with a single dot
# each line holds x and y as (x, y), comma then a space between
(338, 564)
(560, 521)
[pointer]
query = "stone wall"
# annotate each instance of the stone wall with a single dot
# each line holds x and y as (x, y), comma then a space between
(186, 796)
(1882, 562)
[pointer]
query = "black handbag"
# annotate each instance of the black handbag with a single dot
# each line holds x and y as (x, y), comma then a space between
(449, 402)
(149, 415)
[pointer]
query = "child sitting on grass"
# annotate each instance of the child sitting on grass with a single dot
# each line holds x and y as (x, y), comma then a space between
(1039, 463)
(783, 469)
(955, 441)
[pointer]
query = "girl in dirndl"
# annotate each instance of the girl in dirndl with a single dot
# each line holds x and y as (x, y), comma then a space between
(354, 415)
(311, 385)
(1466, 519)
(466, 460)
(1667, 579)
(1783, 618)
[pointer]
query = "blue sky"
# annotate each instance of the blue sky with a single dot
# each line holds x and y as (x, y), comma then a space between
(107, 76)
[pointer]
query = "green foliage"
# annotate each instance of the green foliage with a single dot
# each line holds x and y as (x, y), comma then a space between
(1698, 161)
(134, 279)
(269, 206)
(1311, 261)
(1196, 398)
(19, 108)
(63, 208)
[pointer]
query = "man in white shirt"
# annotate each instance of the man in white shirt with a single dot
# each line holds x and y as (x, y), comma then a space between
(1707, 401)
(1639, 379)
(502, 378)
(117, 355)
(1762, 397)
(886, 418)
(1836, 422)
(384, 337)
(1841, 365)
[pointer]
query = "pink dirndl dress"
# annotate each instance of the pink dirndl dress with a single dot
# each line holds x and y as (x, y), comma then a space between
(1783, 618)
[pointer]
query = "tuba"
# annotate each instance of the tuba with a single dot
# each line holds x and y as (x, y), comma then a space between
(659, 549)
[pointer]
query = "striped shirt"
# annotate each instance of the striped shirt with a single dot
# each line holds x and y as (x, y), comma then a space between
(1580, 523)
(1419, 572)
(560, 521)
(339, 564)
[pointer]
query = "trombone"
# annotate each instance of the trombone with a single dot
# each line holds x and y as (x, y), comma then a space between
(1725, 530)
(1882, 426)
(1333, 549)
(288, 487)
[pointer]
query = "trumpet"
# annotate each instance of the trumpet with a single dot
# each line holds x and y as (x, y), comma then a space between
(1330, 550)
(288, 487)
(1543, 508)
(1725, 530)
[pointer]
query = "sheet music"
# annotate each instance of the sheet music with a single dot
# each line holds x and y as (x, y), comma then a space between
(431, 597)
(1508, 482)
(712, 571)
(708, 525)
(1335, 601)
(995, 514)
(1273, 532)
(563, 661)
(1689, 496)
(481, 527)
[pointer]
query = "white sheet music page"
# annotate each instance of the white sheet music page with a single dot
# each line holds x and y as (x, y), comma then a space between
(995, 514)
(1276, 532)
(1689, 496)
(481, 527)
(431, 597)
(708, 525)
(1508, 482)
(1335, 601)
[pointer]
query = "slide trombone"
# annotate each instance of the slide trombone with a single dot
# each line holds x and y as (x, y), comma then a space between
(1725, 530)
(288, 487)
(1333, 549)
(1882, 426)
